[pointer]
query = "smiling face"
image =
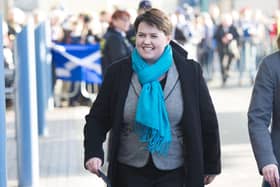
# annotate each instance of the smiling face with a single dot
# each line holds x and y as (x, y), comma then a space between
(150, 42)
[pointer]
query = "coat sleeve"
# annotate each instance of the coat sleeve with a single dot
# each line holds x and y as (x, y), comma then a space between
(209, 129)
(259, 116)
(98, 120)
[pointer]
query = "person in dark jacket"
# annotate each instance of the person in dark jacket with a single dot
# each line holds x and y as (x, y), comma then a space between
(115, 45)
(143, 6)
(264, 119)
(226, 36)
(156, 104)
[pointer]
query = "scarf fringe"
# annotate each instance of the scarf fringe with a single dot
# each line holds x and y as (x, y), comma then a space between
(155, 142)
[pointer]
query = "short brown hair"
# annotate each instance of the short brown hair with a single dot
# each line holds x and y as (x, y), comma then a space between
(155, 17)
(120, 14)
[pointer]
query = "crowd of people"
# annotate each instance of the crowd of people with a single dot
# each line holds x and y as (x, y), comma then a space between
(234, 41)
(163, 126)
(154, 99)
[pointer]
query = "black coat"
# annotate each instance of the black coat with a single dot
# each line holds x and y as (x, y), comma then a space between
(199, 121)
(114, 47)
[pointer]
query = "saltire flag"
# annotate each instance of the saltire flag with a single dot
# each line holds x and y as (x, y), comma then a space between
(77, 62)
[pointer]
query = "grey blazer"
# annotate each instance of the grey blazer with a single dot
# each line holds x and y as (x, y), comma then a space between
(264, 112)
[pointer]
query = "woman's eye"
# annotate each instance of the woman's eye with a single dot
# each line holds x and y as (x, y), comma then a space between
(141, 35)
(154, 36)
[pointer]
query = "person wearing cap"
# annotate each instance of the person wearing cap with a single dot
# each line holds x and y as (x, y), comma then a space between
(143, 6)
(156, 104)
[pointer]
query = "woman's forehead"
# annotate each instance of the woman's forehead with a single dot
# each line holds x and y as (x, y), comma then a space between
(144, 25)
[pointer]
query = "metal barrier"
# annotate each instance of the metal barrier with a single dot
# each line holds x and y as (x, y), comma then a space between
(3, 139)
(41, 77)
(26, 109)
(88, 91)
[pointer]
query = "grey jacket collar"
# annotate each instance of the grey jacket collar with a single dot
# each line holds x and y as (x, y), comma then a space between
(172, 77)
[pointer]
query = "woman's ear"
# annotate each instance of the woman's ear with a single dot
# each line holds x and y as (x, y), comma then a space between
(168, 39)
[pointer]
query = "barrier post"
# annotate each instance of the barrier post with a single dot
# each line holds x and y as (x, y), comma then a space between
(40, 51)
(49, 74)
(26, 108)
(49, 67)
(3, 136)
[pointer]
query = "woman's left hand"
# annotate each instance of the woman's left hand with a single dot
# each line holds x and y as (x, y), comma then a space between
(208, 179)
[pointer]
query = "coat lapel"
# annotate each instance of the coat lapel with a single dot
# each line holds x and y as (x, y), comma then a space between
(124, 81)
(171, 80)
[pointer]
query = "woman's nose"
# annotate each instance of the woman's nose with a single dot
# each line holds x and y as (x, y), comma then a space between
(147, 40)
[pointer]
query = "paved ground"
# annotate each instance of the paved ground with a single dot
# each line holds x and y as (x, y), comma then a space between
(238, 164)
(61, 153)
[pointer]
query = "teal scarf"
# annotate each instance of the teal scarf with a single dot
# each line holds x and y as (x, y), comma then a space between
(152, 123)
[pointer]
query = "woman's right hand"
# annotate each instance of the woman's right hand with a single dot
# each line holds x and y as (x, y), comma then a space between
(271, 175)
(93, 165)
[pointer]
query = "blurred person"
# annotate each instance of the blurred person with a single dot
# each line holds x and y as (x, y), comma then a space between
(87, 35)
(7, 48)
(9, 65)
(197, 31)
(71, 30)
(181, 31)
(227, 39)
(273, 29)
(115, 44)
(264, 119)
(248, 45)
(143, 6)
(72, 34)
(259, 39)
(76, 27)
(214, 12)
(56, 19)
(157, 105)
(105, 19)
(16, 19)
(206, 47)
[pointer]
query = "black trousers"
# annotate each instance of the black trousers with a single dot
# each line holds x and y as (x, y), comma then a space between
(225, 67)
(149, 176)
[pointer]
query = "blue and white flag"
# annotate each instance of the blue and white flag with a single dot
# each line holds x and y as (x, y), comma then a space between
(78, 62)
